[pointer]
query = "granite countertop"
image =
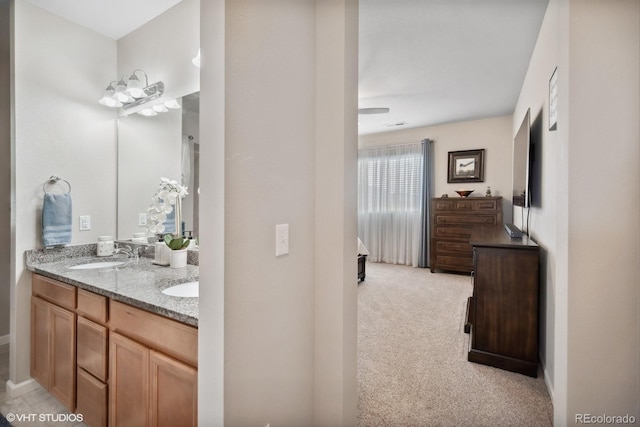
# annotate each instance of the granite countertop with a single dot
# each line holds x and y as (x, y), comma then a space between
(138, 283)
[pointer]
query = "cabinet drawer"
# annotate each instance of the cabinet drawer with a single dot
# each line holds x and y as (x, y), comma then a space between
(92, 305)
(53, 291)
(443, 205)
(443, 246)
(486, 205)
(92, 348)
(451, 262)
(169, 336)
(466, 219)
(91, 400)
(463, 205)
(454, 232)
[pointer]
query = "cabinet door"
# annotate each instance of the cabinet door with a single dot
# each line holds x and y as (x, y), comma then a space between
(174, 392)
(40, 341)
(53, 350)
(62, 348)
(129, 382)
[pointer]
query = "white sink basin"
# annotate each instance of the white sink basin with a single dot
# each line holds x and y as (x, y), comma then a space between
(189, 290)
(94, 265)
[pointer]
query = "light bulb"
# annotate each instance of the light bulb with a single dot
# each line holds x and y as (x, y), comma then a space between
(160, 108)
(107, 98)
(121, 94)
(147, 112)
(172, 103)
(134, 87)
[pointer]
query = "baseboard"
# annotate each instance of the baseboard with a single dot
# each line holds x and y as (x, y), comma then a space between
(4, 339)
(546, 381)
(15, 390)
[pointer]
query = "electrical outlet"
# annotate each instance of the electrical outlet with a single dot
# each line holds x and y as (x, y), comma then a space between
(142, 219)
(85, 222)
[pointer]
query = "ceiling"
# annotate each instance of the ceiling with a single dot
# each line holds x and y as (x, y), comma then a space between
(111, 18)
(440, 61)
(428, 61)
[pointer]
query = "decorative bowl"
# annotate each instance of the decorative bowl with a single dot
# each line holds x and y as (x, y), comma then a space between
(464, 193)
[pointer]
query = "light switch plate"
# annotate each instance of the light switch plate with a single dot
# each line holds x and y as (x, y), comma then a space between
(142, 219)
(282, 239)
(85, 222)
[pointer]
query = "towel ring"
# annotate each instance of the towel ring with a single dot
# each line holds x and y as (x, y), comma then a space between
(55, 179)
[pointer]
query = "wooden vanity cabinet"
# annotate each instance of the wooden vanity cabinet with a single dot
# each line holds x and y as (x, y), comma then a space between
(153, 365)
(115, 364)
(53, 338)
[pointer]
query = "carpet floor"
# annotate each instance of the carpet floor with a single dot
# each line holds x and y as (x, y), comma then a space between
(412, 358)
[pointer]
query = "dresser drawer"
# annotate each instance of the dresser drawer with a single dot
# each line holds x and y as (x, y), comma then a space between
(443, 205)
(92, 348)
(455, 262)
(485, 205)
(460, 232)
(53, 291)
(444, 246)
(466, 219)
(463, 205)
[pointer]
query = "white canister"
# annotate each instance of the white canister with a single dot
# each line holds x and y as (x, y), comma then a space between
(105, 246)
(162, 254)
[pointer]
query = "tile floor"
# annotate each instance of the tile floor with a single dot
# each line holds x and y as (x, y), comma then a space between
(37, 408)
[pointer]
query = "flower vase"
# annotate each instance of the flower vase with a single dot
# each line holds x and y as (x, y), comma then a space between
(178, 258)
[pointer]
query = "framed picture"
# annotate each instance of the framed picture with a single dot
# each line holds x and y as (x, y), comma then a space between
(466, 166)
(553, 100)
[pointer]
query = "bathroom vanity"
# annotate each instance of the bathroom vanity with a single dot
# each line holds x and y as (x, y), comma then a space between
(109, 345)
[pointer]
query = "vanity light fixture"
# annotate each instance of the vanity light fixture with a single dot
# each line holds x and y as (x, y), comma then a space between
(129, 92)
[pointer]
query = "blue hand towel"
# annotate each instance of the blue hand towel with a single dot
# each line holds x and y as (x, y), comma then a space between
(56, 219)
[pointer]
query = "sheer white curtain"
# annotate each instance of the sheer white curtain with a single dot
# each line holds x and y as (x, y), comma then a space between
(390, 181)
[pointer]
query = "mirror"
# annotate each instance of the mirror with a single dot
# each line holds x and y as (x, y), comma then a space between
(166, 145)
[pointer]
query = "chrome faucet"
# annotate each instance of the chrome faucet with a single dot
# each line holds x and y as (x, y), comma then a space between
(130, 253)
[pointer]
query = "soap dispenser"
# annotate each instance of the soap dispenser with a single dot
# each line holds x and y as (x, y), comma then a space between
(162, 253)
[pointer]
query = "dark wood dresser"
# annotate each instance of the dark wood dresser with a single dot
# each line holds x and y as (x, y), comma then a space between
(503, 311)
(452, 221)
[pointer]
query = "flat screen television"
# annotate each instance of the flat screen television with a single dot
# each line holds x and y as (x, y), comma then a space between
(521, 163)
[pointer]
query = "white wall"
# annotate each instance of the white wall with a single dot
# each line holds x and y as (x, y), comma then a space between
(604, 250)
(589, 222)
(211, 321)
(335, 388)
(60, 70)
(493, 135)
(288, 323)
(164, 48)
(534, 96)
(269, 180)
(5, 166)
